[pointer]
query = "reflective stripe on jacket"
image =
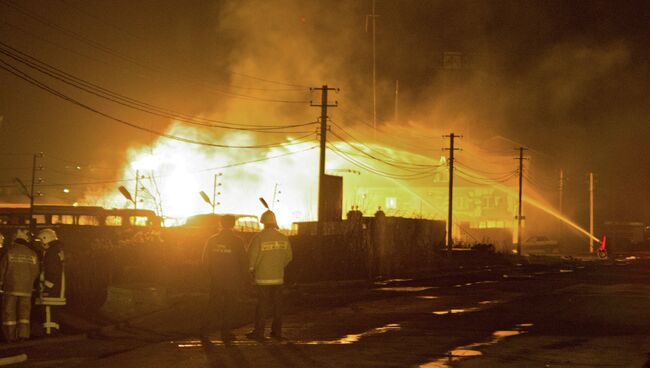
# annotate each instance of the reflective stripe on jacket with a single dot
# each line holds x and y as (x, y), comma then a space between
(18, 270)
(269, 253)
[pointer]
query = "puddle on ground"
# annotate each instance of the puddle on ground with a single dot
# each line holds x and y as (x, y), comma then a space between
(410, 289)
(484, 302)
(456, 311)
(353, 338)
(345, 340)
(476, 283)
(517, 276)
(427, 297)
(386, 282)
(471, 350)
(565, 271)
(188, 344)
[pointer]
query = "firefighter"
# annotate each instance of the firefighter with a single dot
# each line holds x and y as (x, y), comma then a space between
(18, 272)
(225, 258)
(269, 254)
(52, 279)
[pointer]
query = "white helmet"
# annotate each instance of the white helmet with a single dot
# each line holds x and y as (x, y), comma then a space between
(47, 236)
(22, 234)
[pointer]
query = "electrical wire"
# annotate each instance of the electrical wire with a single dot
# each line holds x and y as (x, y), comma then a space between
(480, 176)
(376, 171)
(107, 50)
(389, 158)
(401, 165)
(115, 97)
(18, 73)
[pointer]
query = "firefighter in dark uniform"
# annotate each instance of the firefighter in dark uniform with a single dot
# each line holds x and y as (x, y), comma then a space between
(18, 272)
(225, 258)
(269, 253)
(52, 280)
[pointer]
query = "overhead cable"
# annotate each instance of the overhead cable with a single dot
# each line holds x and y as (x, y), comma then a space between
(20, 74)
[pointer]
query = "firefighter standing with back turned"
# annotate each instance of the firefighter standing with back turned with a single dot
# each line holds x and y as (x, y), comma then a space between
(269, 254)
(18, 272)
(52, 280)
(225, 258)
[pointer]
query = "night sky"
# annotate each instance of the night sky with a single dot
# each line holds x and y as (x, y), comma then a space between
(568, 79)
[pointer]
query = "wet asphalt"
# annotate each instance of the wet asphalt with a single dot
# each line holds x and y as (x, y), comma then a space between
(526, 314)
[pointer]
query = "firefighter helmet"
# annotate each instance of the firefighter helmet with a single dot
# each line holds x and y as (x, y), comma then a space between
(22, 234)
(268, 218)
(47, 236)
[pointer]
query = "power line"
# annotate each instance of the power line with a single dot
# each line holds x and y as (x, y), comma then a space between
(116, 54)
(102, 92)
(346, 157)
(18, 73)
(389, 158)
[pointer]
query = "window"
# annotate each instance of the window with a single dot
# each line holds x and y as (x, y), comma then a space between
(139, 220)
(88, 220)
(62, 219)
(114, 220)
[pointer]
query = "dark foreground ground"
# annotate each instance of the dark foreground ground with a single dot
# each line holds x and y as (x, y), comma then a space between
(538, 313)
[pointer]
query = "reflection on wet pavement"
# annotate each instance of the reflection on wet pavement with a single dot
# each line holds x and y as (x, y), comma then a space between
(470, 350)
(456, 311)
(565, 271)
(345, 340)
(484, 302)
(476, 283)
(427, 297)
(352, 338)
(386, 282)
(412, 289)
(198, 343)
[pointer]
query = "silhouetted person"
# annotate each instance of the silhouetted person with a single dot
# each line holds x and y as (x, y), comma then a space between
(52, 280)
(18, 272)
(225, 258)
(268, 255)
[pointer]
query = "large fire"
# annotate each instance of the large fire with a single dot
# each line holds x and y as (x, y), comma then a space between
(171, 175)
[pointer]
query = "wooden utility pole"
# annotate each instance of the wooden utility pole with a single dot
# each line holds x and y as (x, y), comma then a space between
(32, 224)
(591, 212)
(396, 118)
(373, 16)
(519, 211)
(137, 188)
(450, 215)
(215, 185)
(561, 199)
(323, 141)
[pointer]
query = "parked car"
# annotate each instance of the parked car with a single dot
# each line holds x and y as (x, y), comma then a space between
(540, 244)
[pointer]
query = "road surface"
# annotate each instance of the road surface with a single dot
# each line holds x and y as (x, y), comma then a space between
(571, 314)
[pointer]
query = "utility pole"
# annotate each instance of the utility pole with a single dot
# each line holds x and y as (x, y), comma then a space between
(137, 188)
(214, 192)
(396, 118)
(519, 211)
(32, 224)
(323, 140)
(373, 16)
(591, 212)
(451, 150)
(561, 191)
